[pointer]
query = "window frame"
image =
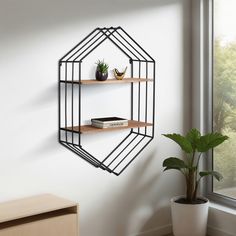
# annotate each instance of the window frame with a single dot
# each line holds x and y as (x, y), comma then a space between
(203, 54)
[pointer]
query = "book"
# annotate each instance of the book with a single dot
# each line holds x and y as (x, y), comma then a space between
(102, 126)
(109, 120)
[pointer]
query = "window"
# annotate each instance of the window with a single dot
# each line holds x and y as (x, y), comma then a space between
(224, 95)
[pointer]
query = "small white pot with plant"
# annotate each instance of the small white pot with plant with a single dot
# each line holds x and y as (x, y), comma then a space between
(190, 212)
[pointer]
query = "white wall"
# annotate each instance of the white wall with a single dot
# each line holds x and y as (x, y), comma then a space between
(33, 36)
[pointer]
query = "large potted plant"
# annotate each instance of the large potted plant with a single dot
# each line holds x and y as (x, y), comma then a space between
(190, 212)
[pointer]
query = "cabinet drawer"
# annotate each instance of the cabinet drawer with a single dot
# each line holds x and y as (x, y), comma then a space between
(63, 225)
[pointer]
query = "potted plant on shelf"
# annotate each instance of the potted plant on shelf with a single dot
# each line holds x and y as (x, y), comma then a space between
(190, 212)
(101, 71)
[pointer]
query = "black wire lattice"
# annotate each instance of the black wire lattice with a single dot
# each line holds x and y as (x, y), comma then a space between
(142, 97)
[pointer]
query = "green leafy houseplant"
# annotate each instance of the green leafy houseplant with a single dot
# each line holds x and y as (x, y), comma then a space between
(102, 66)
(194, 145)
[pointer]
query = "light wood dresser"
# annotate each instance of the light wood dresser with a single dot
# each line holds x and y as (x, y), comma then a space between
(42, 215)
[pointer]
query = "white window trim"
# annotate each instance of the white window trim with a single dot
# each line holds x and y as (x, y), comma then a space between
(202, 55)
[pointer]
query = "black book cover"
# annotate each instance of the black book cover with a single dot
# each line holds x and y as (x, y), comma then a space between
(108, 119)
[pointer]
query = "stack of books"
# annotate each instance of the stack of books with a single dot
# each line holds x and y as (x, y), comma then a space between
(109, 122)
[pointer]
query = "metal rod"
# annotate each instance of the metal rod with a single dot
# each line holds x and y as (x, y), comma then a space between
(143, 61)
(100, 164)
(108, 36)
(72, 102)
(132, 92)
(78, 61)
(107, 28)
(91, 44)
(68, 142)
(78, 44)
(84, 155)
(69, 82)
(87, 155)
(125, 46)
(79, 104)
(154, 85)
(83, 46)
(146, 98)
(122, 150)
(148, 136)
(139, 75)
(131, 45)
(134, 157)
(70, 61)
(70, 147)
(94, 46)
(116, 148)
(66, 101)
(128, 153)
(136, 44)
(59, 101)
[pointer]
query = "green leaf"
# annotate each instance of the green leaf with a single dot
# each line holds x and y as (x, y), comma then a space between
(183, 142)
(209, 141)
(193, 136)
(215, 174)
(173, 163)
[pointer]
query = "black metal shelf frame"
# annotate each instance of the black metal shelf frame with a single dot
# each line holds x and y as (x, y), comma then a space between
(142, 98)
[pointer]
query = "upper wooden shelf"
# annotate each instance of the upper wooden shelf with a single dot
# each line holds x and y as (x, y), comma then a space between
(110, 81)
(92, 129)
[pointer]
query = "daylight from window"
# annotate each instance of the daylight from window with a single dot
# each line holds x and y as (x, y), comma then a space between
(224, 94)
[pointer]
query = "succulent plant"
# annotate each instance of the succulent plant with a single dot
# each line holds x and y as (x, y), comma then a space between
(102, 66)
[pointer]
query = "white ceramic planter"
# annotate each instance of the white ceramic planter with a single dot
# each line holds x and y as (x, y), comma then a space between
(189, 219)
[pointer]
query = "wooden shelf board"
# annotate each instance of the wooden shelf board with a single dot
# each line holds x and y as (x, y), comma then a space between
(110, 81)
(91, 129)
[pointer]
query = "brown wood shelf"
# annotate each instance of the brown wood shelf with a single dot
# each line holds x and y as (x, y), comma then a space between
(110, 81)
(91, 129)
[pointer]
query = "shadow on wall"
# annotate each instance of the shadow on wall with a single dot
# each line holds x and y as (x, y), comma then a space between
(44, 149)
(43, 99)
(33, 15)
(149, 229)
(130, 201)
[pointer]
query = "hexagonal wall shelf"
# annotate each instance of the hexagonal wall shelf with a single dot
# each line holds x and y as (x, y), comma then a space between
(141, 80)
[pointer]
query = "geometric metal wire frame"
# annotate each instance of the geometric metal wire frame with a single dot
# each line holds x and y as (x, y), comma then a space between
(138, 138)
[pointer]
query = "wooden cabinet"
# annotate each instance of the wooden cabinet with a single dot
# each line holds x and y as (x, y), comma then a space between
(43, 215)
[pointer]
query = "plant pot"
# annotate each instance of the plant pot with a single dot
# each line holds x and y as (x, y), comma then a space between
(189, 219)
(101, 76)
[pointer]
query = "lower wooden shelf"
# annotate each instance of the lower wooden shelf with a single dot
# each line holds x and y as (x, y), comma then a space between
(91, 129)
